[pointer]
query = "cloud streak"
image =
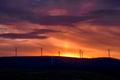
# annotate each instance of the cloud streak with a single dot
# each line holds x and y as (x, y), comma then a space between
(30, 35)
(21, 36)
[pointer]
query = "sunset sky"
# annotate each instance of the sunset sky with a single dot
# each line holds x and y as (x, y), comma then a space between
(60, 25)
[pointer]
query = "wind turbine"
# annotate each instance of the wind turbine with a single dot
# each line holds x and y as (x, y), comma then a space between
(41, 52)
(16, 51)
(80, 53)
(59, 53)
(109, 53)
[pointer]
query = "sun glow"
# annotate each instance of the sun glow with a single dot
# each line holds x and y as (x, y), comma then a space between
(69, 55)
(74, 55)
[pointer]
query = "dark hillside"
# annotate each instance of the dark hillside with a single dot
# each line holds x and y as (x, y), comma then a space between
(64, 68)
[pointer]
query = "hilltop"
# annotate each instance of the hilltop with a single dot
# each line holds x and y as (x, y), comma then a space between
(57, 62)
(60, 68)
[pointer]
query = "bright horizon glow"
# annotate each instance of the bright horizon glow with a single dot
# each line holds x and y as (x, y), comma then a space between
(64, 54)
(69, 55)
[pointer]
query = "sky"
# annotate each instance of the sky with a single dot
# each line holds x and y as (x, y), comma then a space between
(68, 26)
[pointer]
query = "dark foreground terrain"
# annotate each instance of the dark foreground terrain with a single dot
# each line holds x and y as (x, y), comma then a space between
(59, 68)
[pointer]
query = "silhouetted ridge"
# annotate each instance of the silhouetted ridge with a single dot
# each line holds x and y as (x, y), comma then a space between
(97, 64)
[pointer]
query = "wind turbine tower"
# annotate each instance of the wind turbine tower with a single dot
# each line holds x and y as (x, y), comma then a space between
(80, 53)
(109, 53)
(41, 52)
(59, 53)
(16, 51)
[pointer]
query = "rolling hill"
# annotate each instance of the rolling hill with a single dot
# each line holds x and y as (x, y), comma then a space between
(64, 68)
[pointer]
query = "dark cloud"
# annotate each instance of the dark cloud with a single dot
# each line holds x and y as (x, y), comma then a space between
(107, 17)
(105, 12)
(111, 2)
(30, 35)
(47, 20)
(21, 36)
(12, 11)
(43, 31)
(59, 20)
